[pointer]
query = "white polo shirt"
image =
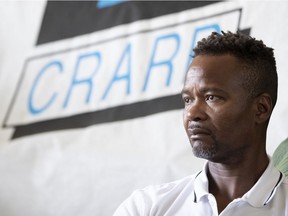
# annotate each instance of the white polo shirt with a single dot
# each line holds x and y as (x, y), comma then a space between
(190, 197)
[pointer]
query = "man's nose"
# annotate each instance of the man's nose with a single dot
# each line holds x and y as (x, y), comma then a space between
(196, 111)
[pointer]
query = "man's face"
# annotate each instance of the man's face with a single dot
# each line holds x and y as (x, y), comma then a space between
(218, 116)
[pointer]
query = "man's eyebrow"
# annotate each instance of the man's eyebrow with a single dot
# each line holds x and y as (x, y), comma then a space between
(205, 90)
(212, 89)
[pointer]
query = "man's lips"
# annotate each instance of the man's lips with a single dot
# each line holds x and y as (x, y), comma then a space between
(196, 132)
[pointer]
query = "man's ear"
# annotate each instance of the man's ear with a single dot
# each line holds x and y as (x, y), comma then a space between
(264, 107)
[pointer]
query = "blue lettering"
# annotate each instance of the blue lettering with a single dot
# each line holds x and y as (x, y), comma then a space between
(167, 62)
(88, 81)
(31, 106)
(126, 76)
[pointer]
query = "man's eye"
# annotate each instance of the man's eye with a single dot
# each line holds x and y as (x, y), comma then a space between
(186, 100)
(212, 98)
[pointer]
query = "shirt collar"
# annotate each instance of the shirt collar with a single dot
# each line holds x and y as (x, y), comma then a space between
(264, 189)
(201, 185)
(259, 195)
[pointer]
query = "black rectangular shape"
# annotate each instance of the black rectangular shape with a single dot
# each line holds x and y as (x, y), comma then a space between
(123, 112)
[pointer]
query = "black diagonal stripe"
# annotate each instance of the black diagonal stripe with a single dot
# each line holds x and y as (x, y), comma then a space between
(123, 112)
(66, 19)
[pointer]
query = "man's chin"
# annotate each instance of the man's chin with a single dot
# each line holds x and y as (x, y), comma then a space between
(204, 151)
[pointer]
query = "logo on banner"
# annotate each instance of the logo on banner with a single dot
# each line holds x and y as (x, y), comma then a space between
(120, 73)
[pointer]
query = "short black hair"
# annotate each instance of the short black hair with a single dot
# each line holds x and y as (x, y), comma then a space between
(260, 73)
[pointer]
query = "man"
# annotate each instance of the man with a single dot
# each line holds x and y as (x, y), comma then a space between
(229, 93)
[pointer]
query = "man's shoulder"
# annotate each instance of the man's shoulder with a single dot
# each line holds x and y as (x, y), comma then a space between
(157, 198)
(285, 181)
(170, 188)
(282, 189)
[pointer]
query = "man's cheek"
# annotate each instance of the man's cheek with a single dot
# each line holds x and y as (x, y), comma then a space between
(185, 120)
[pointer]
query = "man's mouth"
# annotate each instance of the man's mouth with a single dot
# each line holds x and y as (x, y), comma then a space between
(197, 132)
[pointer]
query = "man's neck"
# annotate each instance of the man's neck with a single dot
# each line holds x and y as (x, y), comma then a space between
(227, 182)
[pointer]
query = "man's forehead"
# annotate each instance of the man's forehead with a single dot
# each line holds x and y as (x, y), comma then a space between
(194, 71)
(222, 65)
(214, 72)
(202, 60)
